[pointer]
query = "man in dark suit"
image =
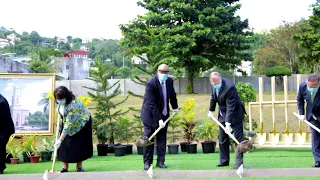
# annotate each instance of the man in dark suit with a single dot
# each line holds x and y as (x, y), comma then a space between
(231, 114)
(155, 110)
(6, 130)
(309, 92)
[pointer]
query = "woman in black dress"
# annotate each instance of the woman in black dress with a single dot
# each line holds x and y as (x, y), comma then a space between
(75, 141)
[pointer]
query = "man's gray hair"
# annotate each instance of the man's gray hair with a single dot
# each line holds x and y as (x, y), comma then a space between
(313, 78)
(215, 74)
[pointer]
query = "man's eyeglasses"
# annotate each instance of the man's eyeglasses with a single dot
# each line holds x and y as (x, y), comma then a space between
(163, 72)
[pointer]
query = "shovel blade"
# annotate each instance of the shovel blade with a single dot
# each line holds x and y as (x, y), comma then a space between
(143, 142)
(45, 175)
(240, 171)
(150, 172)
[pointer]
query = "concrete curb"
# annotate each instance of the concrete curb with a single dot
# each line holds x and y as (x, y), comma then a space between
(289, 172)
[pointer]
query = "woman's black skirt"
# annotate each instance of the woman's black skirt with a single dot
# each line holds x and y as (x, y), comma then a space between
(78, 147)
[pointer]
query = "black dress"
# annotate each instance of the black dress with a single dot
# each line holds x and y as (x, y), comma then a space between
(78, 147)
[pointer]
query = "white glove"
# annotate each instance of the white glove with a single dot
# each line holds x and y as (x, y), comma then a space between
(228, 128)
(161, 124)
(58, 143)
(176, 111)
(301, 118)
(210, 114)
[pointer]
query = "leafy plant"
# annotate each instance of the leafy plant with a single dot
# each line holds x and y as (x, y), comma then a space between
(137, 126)
(187, 117)
(103, 95)
(247, 94)
(28, 144)
(102, 133)
(123, 133)
(35, 150)
(48, 143)
(13, 147)
(208, 130)
(174, 130)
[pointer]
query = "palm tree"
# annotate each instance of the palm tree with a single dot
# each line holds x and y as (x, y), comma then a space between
(43, 63)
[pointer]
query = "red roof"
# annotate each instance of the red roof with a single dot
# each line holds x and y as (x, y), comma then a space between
(76, 52)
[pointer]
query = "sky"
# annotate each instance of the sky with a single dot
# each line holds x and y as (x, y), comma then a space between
(29, 95)
(100, 18)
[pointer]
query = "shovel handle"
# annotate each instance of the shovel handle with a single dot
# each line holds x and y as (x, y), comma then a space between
(307, 122)
(159, 128)
(56, 149)
(232, 137)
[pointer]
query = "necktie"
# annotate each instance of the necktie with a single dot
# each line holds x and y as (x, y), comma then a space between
(312, 96)
(164, 93)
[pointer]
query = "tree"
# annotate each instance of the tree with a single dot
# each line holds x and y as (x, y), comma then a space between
(152, 53)
(69, 39)
(35, 38)
(103, 94)
(43, 62)
(279, 48)
(38, 119)
(123, 72)
(309, 39)
(201, 34)
(65, 46)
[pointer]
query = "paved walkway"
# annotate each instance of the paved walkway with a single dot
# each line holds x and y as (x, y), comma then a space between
(169, 174)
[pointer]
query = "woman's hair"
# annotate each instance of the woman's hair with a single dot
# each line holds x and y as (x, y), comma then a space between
(63, 92)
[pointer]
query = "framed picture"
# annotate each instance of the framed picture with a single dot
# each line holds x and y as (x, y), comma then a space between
(30, 97)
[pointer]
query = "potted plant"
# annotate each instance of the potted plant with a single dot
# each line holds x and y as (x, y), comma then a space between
(125, 134)
(207, 131)
(174, 124)
(121, 135)
(138, 131)
(27, 145)
(34, 155)
(188, 122)
(14, 150)
(102, 135)
(104, 95)
(46, 153)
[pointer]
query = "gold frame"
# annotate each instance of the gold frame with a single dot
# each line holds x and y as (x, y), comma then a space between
(50, 76)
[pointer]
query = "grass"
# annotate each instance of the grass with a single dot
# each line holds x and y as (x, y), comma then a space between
(259, 158)
(202, 107)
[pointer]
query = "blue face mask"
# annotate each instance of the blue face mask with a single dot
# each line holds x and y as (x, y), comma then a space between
(61, 102)
(313, 90)
(163, 77)
(217, 86)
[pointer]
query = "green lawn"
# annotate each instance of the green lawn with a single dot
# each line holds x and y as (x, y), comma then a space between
(249, 178)
(259, 158)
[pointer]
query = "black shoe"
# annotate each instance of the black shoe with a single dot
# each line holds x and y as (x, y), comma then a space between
(80, 169)
(317, 164)
(146, 166)
(161, 165)
(63, 170)
(1, 172)
(223, 164)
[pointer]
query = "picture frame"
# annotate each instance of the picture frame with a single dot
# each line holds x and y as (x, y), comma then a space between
(31, 101)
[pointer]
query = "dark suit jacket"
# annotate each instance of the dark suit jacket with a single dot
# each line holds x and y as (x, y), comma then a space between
(230, 104)
(152, 106)
(312, 108)
(6, 123)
